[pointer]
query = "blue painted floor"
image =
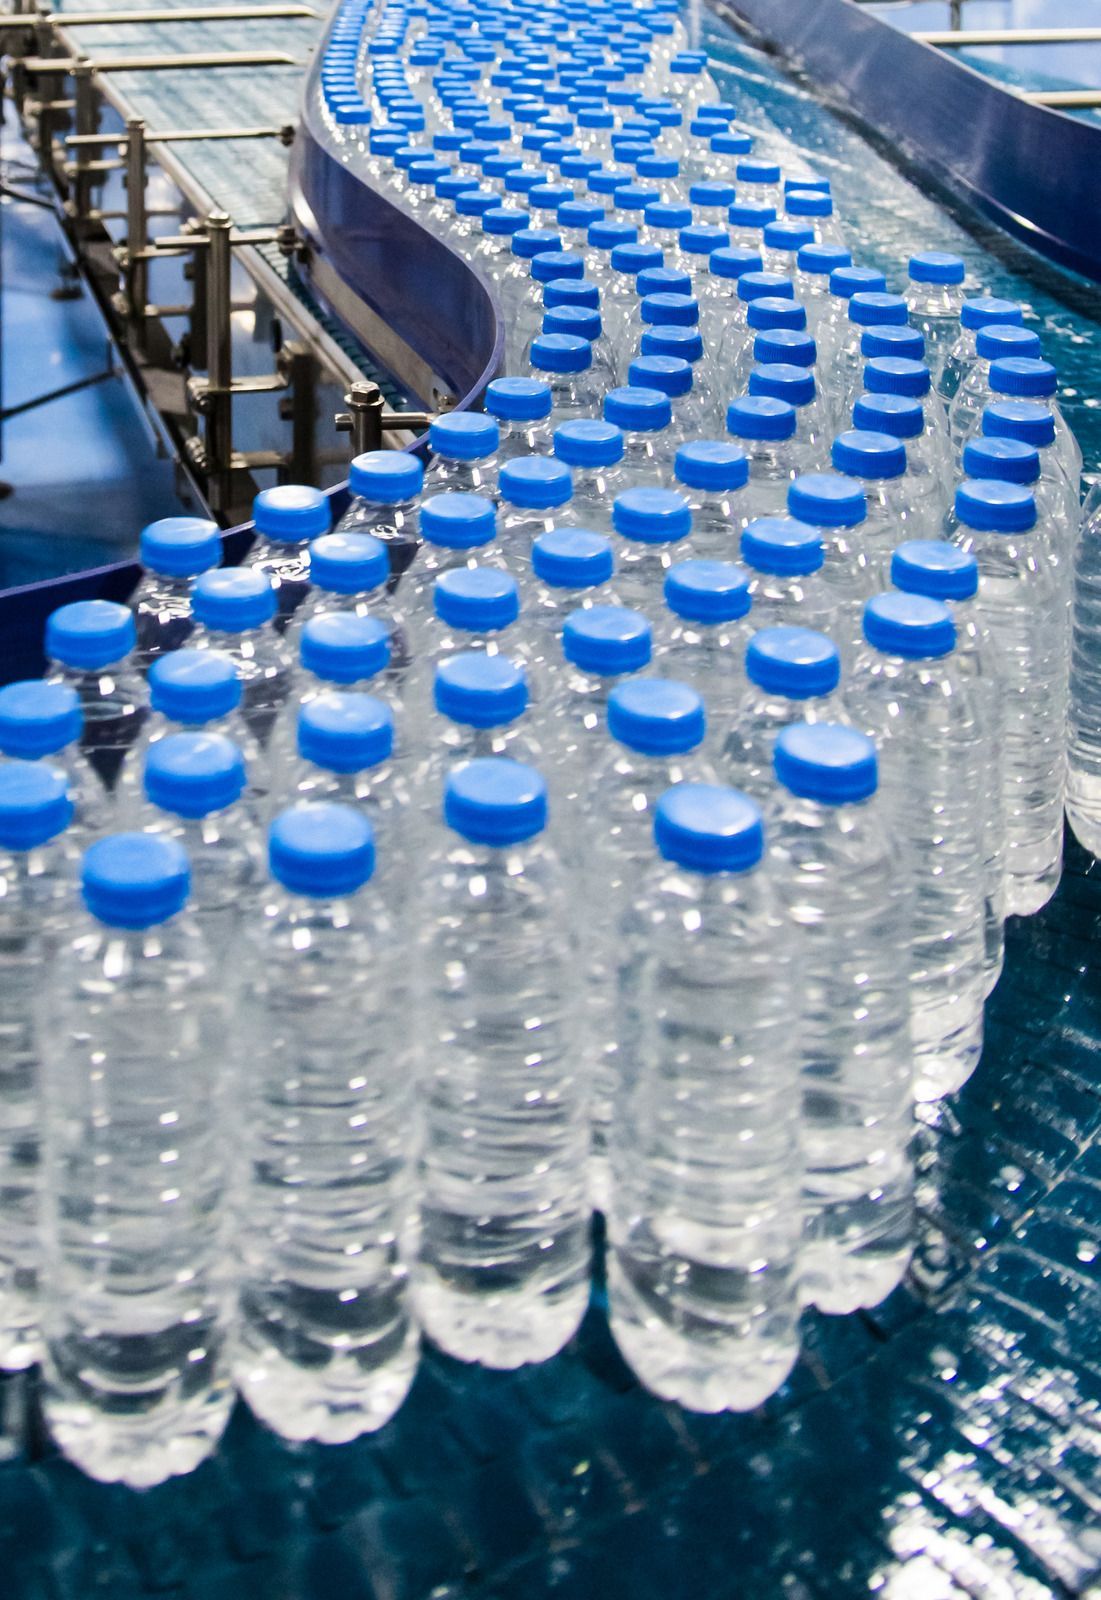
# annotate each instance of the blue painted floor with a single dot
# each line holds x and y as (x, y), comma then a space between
(84, 470)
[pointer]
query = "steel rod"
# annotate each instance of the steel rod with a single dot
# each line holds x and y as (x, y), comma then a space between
(177, 136)
(1059, 99)
(965, 37)
(40, 65)
(92, 19)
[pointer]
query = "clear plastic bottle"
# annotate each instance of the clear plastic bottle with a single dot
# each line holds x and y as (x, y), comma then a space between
(1010, 461)
(912, 380)
(42, 721)
(481, 703)
(703, 637)
(765, 430)
(656, 728)
(935, 296)
(1029, 378)
(173, 551)
(920, 500)
(349, 572)
(845, 368)
(711, 473)
(235, 609)
(835, 506)
(475, 608)
(136, 1175)
(385, 486)
(571, 568)
(1031, 422)
(501, 1266)
(792, 675)
(783, 240)
(1002, 341)
(797, 386)
(464, 454)
(877, 461)
(522, 410)
(736, 336)
(833, 325)
(718, 291)
(983, 311)
(1022, 602)
(704, 1217)
(326, 1345)
(593, 451)
(619, 298)
(287, 518)
(89, 647)
(35, 889)
(908, 692)
(645, 416)
(814, 263)
(815, 209)
(673, 376)
(457, 530)
(940, 570)
(565, 362)
(836, 867)
(1083, 795)
(784, 560)
(653, 528)
(536, 495)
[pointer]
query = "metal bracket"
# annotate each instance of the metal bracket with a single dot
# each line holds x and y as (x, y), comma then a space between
(367, 419)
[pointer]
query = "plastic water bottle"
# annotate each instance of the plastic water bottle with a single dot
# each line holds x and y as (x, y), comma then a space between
(815, 209)
(703, 1270)
(940, 570)
(656, 728)
(89, 647)
(480, 703)
(797, 386)
(912, 380)
(1009, 461)
(565, 362)
(326, 1346)
(784, 560)
(501, 1271)
(792, 675)
(935, 297)
(833, 326)
(35, 810)
(349, 572)
(710, 474)
(705, 632)
(813, 264)
(571, 568)
(878, 463)
(464, 449)
(521, 408)
(1029, 378)
(593, 451)
(173, 551)
(846, 368)
(909, 694)
(567, 313)
(999, 342)
(42, 722)
(718, 291)
(1083, 793)
(835, 506)
(673, 377)
(196, 784)
(923, 495)
(287, 518)
(653, 528)
(1022, 602)
(136, 1179)
(236, 612)
(475, 608)
(983, 311)
(536, 495)
(601, 646)
(645, 416)
(1031, 422)
(457, 530)
(837, 870)
(385, 486)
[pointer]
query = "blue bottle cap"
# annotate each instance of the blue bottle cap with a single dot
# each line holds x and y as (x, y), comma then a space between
(663, 280)
(588, 442)
(847, 281)
(806, 203)
(1025, 420)
(681, 310)
(667, 339)
(664, 213)
(1006, 339)
(826, 761)
(656, 716)
(321, 850)
(766, 172)
(781, 545)
(476, 599)
(773, 311)
(1023, 378)
(345, 732)
(785, 234)
(874, 309)
(707, 591)
(38, 719)
(651, 516)
(535, 482)
(704, 239)
(712, 465)
(291, 513)
(909, 625)
(733, 264)
(794, 662)
(607, 640)
(764, 286)
(783, 345)
(194, 774)
(496, 802)
(180, 547)
(580, 213)
(341, 647)
(638, 409)
(610, 234)
(194, 686)
(819, 260)
(233, 599)
(572, 558)
(935, 568)
(518, 399)
(760, 417)
(745, 214)
(135, 880)
(897, 375)
(635, 258)
(705, 828)
(1010, 460)
(458, 521)
(476, 202)
(463, 436)
(550, 264)
(984, 310)
(561, 352)
(672, 375)
(825, 500)
(386, 477)
(549, 197)
(34, 804)
(892, 414)
(990, 506)
(780, 380)
(935, 266)
(571, 292)
(528, 243)
(88, 634)
(863, 454)
(892, 340)
(731, 144)
(480, 691)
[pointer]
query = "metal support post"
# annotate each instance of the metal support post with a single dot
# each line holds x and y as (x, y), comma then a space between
(299, 408)
(135, 277)
(218, 432)
(80, 203)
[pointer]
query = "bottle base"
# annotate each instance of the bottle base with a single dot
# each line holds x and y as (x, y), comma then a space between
(139, 1452)
(330, 1405)
(837, 1283)
(1086, 828)
(1025, 896)
(502, 1331)
(944, 1067)
(20, 1348)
